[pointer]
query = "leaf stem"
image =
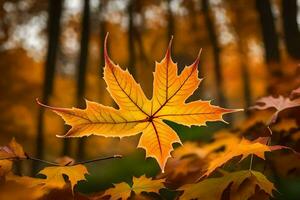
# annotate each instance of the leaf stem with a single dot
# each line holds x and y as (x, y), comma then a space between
(251, 162)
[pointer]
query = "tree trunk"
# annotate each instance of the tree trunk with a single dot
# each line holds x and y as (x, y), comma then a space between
(142, 51)
(131, 46)
(239, 28)
(82, 65)
(269, 34)
(54, 12)
(102, 35)
(171, 26)
(290, 27)
(216, 52)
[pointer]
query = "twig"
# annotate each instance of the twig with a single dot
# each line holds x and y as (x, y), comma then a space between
(57, 164)
(42, 161)
(98, 159)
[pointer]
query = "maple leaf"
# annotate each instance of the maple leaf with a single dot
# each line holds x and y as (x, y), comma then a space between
(213, 188)
(244, 149)
(55, 179)
(280, 103)
(142, 184)
(12, 151)
(138, 114)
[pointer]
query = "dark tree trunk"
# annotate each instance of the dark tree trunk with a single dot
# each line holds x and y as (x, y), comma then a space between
(290, 27)
(246, 78)
(82, 65)
(54, 11)
(142, 52)
(269, 34)
(239, 26)
(216, 52)
(102, 32)
(171, 26)
(131, 46)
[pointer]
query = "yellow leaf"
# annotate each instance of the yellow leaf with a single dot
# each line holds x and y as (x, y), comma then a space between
(244, 149)
(16, 187)
(55, 179)
(12, 151)
(138, 114)
(142, 184)
(119, 191)
(213, 188)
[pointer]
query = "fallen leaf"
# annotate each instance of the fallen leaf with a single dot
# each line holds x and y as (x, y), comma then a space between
(138, 114)
(119, 191)
(244, 149)
(142, 184)
(55, 179)
(213, 188)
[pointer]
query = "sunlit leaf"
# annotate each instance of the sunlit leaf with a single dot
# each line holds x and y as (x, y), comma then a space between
(138, 114)
(213, 188)
(142, 184)
(55, 179)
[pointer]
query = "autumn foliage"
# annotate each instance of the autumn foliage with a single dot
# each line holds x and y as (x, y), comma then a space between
(235, 165)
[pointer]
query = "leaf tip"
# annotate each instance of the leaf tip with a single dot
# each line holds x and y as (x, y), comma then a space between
(106, 57)
(61, 136)
(168, 53)
(196, 63)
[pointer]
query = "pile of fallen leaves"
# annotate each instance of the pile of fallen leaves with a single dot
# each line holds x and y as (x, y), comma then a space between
(236, 164)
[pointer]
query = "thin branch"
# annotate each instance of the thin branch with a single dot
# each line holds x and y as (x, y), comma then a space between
(43, 161)
(57, 164)
(98, 159)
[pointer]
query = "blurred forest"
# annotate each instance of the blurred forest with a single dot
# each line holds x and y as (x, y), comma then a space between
(53, 50)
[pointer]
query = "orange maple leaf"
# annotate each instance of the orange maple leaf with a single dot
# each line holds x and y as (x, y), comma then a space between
(138, 114)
